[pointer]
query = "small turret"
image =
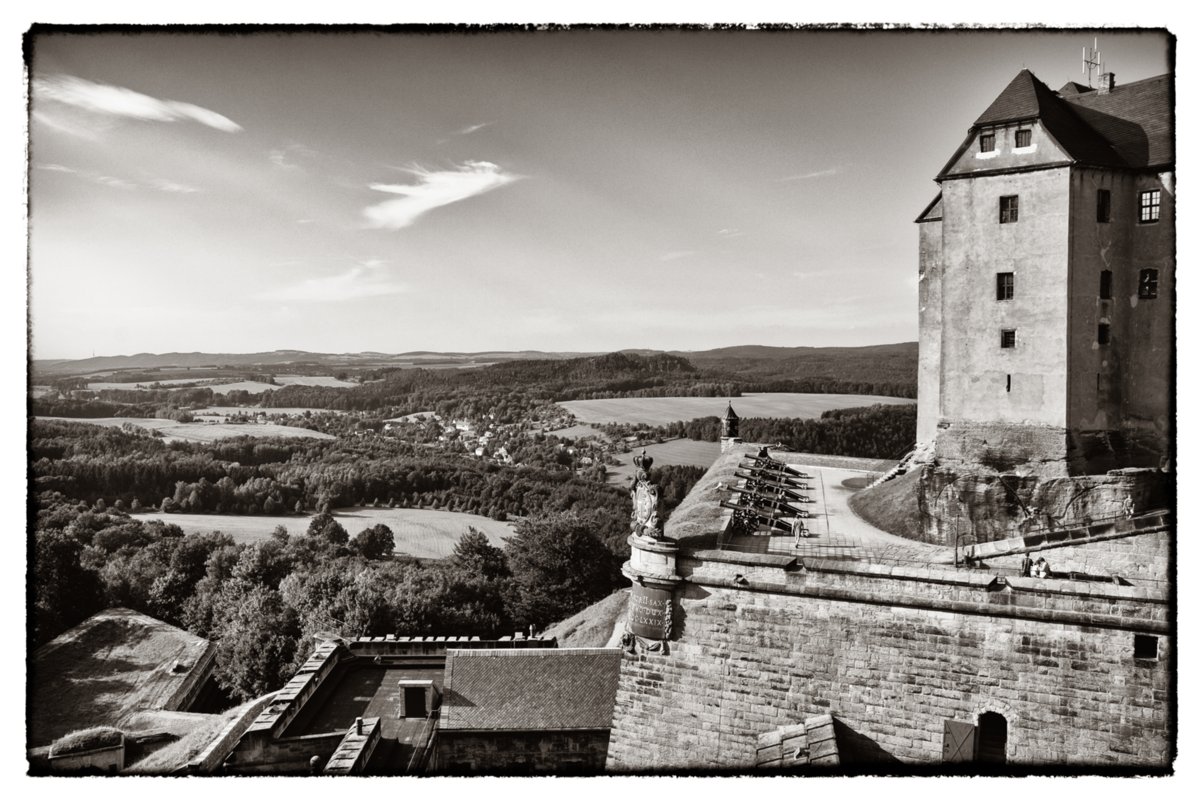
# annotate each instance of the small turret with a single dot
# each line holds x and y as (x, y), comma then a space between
(729, 428)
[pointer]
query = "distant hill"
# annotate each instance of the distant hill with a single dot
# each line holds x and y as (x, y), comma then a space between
(283, 357)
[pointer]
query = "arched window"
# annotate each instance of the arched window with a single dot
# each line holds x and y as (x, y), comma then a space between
(992, 741)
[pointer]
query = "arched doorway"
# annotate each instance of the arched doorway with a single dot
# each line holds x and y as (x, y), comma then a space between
(992, 741)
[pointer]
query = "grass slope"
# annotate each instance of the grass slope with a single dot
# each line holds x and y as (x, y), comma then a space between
(892, 506)
(591, 627)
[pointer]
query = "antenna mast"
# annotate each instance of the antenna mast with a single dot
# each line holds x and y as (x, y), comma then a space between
(1091, 61)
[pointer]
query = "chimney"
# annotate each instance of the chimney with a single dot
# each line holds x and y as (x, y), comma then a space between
(358, 725)
(1108, 82)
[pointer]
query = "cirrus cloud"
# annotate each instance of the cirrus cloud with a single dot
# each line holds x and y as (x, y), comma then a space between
(101, 98)
(364, 280)
(434, 189)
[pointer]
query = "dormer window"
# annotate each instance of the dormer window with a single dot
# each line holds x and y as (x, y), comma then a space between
(1024, 138)
(987, 142)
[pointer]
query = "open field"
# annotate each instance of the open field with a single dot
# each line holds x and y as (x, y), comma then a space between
(267, 410)
(423, 533)
(674, 452)
(658, 411)
(200, 432)
(249, 387)
(146, 385)
(312, 381)
(578, 431)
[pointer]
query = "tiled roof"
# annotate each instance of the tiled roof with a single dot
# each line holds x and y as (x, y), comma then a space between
(1135, 119)
(550, 689)
(1026, 97)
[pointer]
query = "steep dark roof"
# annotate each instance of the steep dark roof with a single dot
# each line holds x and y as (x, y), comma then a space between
(1135, 119)
(549, 689)
(730, 415)
(1026, 97)
(1071, 87)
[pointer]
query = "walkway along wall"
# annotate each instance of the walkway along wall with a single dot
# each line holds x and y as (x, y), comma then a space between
(1079, 671)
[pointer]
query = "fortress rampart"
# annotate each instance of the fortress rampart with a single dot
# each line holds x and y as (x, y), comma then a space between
(1077, 670)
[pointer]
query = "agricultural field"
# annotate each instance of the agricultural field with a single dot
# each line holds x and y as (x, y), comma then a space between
(423, 533)
(578, 431)
(312, 381)
(659, 411)
(200, 432)
(40, 391)
(267, 410)
(147, 385)
(674, 452)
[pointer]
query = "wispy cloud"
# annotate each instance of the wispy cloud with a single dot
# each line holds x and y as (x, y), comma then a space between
(158, 183)
(90, 176)
(172, 187)
(469, 129)
(433, 190)
(667, 257)
(363, 280)
(730, 232)
(809, 175)
(117, 101)
(286, 157)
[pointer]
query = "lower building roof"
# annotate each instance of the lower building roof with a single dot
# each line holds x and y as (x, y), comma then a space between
(530, 690)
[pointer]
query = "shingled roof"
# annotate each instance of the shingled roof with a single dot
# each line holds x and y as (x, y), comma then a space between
(549, 689)
(1135, 119)
(1027, 98)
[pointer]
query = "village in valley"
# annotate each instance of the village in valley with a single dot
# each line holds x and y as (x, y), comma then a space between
(925, 528)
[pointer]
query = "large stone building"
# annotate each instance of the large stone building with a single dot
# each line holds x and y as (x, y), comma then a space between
(769, 626)
(1047, 280)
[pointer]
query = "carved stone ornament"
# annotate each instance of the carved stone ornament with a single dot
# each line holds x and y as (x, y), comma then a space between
(644, 519)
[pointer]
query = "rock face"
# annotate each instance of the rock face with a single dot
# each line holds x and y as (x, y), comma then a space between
(992, 481)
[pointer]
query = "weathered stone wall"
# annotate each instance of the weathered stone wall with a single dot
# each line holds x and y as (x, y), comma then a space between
(980, 381)
(1142, 559)
(893, 655)
(1125, 385)
(929, 310)
(978, 504)
(521, 752)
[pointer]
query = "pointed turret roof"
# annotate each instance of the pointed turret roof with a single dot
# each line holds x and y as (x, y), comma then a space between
(730, 415)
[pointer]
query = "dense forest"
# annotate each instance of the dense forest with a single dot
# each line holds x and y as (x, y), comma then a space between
(264, 601)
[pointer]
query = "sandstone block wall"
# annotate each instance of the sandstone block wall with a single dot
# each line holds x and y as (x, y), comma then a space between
(747, 661)
(521, 752)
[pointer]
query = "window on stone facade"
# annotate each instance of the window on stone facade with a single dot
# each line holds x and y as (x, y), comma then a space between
(1008, 383)
(1024, 138)
(1148, 283)
(1004, 285)
(1008, 209)
(1145, 646)
(1103, 205)
(987, 142)
(1106, 284)
(1008, 338)
(1149, 206)
(1103, 333)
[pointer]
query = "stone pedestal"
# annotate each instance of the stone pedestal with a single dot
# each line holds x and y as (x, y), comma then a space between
(651, 568)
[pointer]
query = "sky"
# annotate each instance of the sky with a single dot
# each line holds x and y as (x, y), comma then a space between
(580, 190)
